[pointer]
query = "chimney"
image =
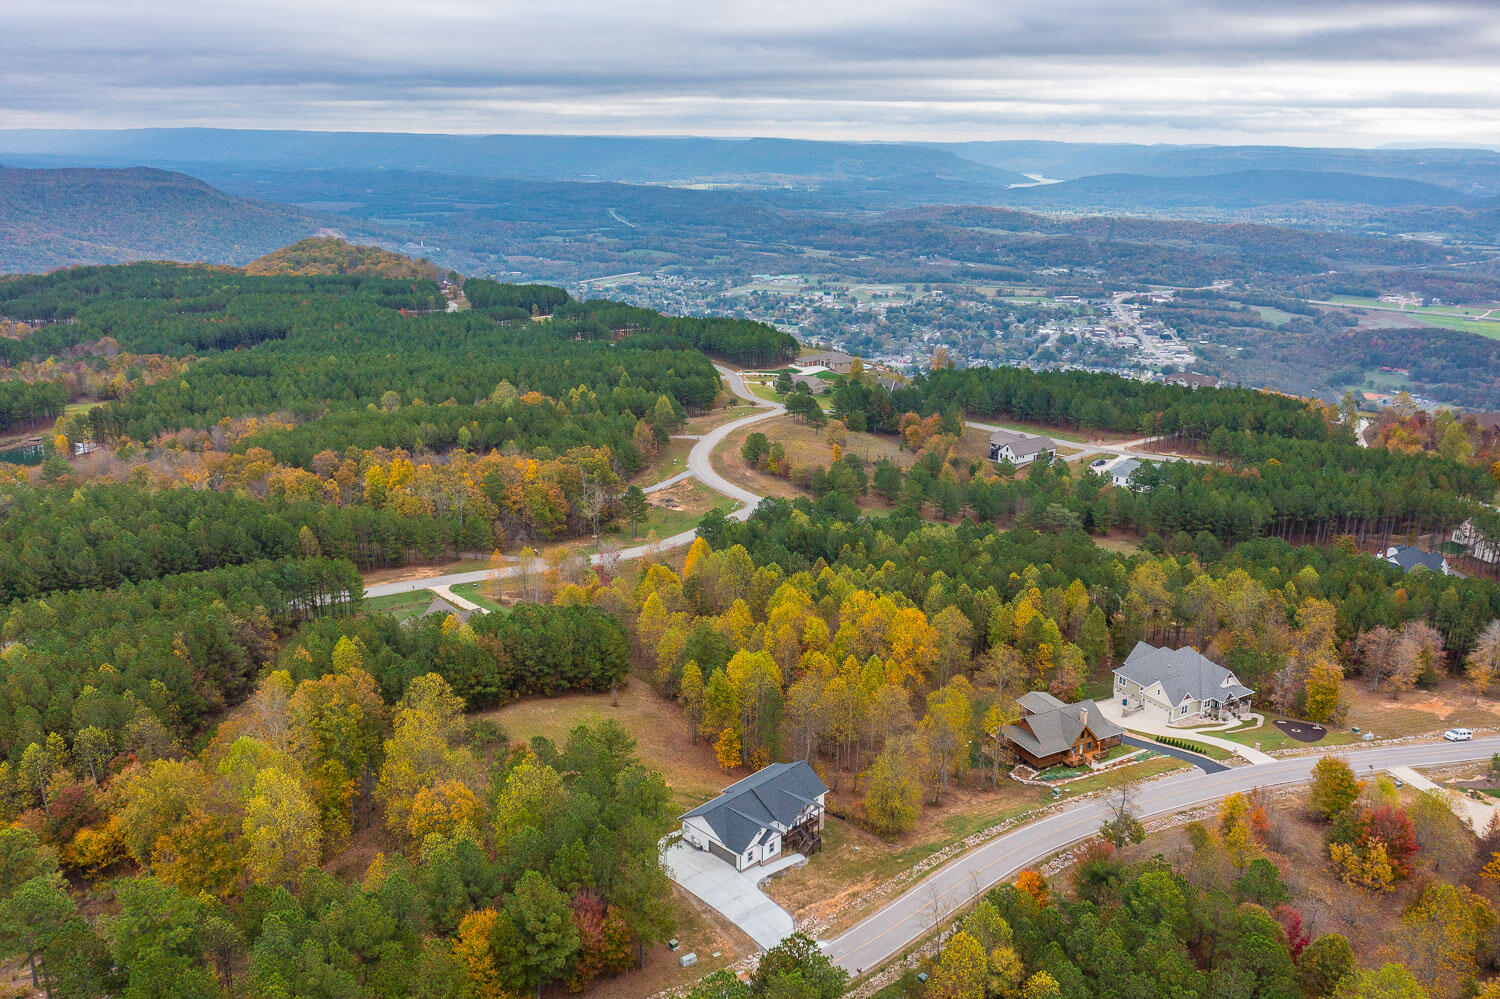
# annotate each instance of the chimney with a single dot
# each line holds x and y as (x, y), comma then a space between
(1083, 713)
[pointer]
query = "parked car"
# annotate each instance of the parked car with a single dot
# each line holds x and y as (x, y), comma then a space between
(1099, 463)
(1459, 734)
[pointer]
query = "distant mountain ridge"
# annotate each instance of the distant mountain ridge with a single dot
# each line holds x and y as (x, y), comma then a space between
(63, 217)
(643, 160)
(1237, 189)
(1466, 170)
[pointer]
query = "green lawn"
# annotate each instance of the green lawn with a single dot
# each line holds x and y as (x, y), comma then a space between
(400, 605)
(1150, 767)
(1269, 738)
(474, 593)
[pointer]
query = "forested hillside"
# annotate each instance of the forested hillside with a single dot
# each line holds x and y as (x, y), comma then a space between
(331, 255)
(63, 217)
(221, 766)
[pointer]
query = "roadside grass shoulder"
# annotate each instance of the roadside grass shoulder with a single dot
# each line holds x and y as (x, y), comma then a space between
(475, 593)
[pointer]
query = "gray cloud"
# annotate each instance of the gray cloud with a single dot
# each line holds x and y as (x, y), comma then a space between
(1357, 72)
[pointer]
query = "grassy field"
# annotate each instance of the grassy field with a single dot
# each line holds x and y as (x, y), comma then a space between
(1459, 311)
(1271, 315)
(672, 460)
(1463, 318)
(663, 733)
(1482, 327)
(400, 605)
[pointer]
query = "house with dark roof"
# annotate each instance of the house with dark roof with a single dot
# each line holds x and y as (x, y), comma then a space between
(1120, 473)
(443, 607)
(780, 807)
(1051, 732)
(1019, 449)
(1184, 686)
(1193, 380)
(1410, 557)
(833, 360)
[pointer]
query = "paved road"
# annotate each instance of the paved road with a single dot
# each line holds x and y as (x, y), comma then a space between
(885, 934)
(699, 467)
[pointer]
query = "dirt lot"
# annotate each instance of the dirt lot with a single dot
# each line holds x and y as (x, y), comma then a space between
(1418, 712)
(807, 446)
(681, 507)
(375, 576)
(662, 731)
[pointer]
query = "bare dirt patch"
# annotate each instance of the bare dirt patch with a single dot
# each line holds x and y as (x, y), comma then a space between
(1426, 712)
(403, 573)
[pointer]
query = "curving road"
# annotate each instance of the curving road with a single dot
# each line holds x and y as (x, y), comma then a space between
(888, 932)
(699, 467)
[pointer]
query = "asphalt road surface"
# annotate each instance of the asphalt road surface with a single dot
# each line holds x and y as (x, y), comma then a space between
(885, 934)
(1208, 764)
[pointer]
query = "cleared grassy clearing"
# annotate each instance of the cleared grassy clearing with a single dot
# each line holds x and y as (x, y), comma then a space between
(663, 734)
(475, 593)
(400, 605)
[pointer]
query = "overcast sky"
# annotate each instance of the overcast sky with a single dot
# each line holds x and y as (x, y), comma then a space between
(1365, 72)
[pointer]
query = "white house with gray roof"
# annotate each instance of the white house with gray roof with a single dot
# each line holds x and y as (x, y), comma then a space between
(1410, 557)
(1183, 686)
(1121, 471)
(1019, 449)
(779, 807)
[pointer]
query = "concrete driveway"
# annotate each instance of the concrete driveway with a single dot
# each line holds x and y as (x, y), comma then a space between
(1148, 723)
(734, 895)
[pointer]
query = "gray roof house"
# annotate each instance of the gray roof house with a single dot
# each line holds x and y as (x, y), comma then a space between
(1121, 472)
(1183, 685)
(1051, 731)
(1410, 557)
(443, 607)
(749, 823)
(833, 360)
(1019, 449)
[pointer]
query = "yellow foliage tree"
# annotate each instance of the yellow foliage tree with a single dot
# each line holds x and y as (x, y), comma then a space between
(475, 950)
(727, 749)
(1235, 832)
(961, 970)
(282, 828)
(446, 808)
(1367, 868)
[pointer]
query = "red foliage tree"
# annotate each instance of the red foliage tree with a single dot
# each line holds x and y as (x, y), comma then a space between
(1392, 826)
(1291, 921)
(588, 917)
